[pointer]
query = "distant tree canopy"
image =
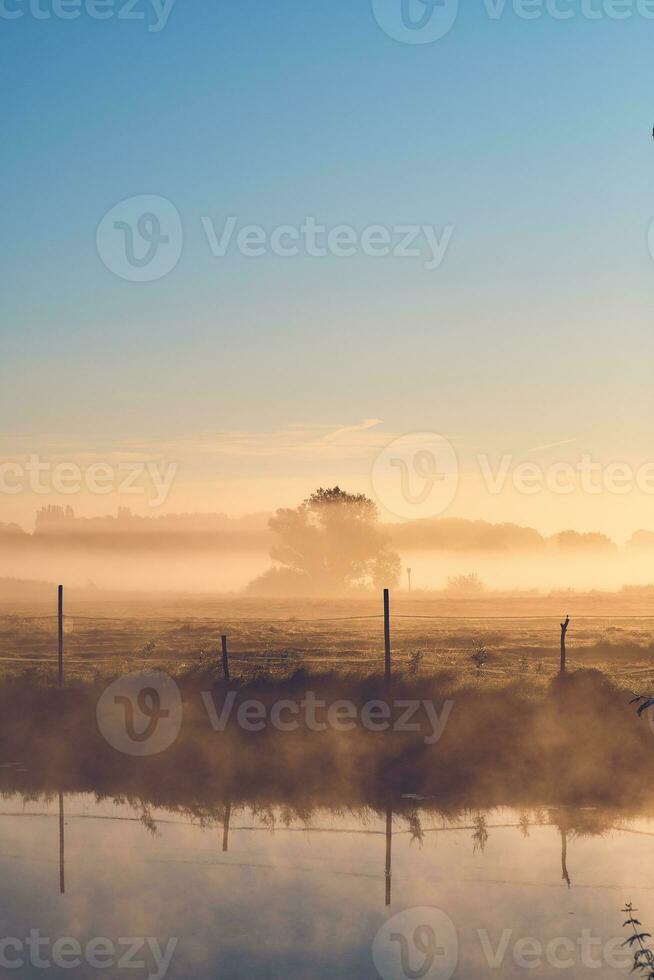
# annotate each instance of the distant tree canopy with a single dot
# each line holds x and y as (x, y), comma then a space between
(641, 539)
(593, 541)
(331, 543)
(458, 534)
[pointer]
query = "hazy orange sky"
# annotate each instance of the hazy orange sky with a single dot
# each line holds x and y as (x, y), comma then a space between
(538, 484)
(529, 139)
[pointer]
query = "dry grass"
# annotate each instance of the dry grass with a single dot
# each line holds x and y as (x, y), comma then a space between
(277, 638)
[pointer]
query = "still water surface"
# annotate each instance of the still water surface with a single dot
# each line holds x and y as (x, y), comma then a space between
(361, 895)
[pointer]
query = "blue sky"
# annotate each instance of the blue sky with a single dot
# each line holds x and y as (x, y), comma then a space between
(532, 139)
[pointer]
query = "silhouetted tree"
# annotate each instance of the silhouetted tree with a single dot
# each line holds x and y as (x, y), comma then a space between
(332, 542)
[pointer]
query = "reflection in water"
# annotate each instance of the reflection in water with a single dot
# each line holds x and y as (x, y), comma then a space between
(388, 871)
(62, 871)
(289, 895)
(564, 857)
(228, 813)
(288, 856)
(480, 835)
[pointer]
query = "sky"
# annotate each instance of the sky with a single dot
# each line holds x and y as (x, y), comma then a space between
(522, 144)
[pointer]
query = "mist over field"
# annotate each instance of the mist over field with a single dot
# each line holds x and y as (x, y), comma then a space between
(326, 490)
(204, 553)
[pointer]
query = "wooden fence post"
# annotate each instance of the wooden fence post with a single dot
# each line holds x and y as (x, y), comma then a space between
(387, 637)
(564, 631)
(223, 640)
(60, 645)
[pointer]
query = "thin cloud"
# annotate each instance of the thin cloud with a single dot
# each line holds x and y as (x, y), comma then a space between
(552, 445)
(349, 430)
(314, 442)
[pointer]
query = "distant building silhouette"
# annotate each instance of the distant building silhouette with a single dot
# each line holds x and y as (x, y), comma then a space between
(52, 516)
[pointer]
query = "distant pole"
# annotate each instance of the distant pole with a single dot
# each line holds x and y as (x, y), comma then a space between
(223, 640)
(564, 632)
(61, 635)
(408, 572)
(387, 636)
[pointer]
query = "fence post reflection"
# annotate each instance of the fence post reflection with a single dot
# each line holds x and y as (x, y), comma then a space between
(226, 819)
(62, 872)
(389, 852)
(564, 857)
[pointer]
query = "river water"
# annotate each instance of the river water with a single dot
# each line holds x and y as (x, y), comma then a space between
(106, 888)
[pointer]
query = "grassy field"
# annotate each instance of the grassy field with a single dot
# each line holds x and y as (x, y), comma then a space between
(518, 637)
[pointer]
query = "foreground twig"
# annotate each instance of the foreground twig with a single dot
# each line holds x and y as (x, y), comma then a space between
(643, 955)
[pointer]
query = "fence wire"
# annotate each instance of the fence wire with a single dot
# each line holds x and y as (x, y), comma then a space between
(512, 644)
